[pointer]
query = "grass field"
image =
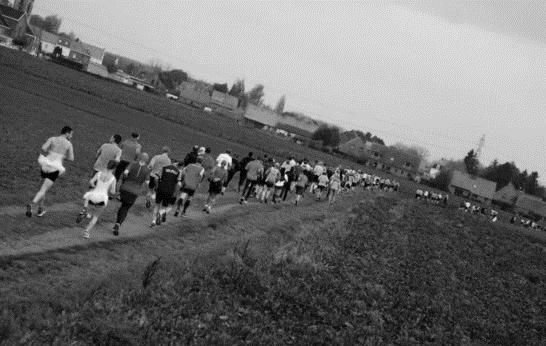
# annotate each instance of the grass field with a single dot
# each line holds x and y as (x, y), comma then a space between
(374, 269)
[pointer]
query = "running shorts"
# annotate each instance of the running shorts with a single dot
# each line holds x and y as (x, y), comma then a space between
(96, 204)
(152, 184)
(165, 199)
(187, 191)
(300, 190)
(120, 168)
(322, 187)
(215, 187)
(51, 175)
(269, 184)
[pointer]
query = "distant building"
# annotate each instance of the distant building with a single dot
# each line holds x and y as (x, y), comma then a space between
(49, 41)
(14, 25)
(224, 100)
(530, 205)
(193, 97)
(507, 196)
(388, 159)
(260, 117)
(472, 187)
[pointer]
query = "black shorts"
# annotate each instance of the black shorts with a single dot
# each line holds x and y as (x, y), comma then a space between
(127, 197)
(189, 192)
(51, 175)
(215, 187)
(120, 168)
(269, 184)
(165, 199)
(322, 187)
(314, 178)
(152, 184)
(300, 190)
(99, 204)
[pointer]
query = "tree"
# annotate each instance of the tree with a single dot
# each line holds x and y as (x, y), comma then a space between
(178, 76)
(329, 135)
(223, 88)
(238, 88)
(471, 162)
(49, 23)
(279, 108)
(256, 95)
(172, 79)
(414, 150)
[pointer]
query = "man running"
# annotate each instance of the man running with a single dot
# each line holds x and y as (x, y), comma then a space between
(165, 198)
(191, 157)
(191, 176)
(301, 183)
(242, 169)
(254, 170)
(235, 167)
(272, 175)
(135, 176)
(335, 185)
(130, 149)
(56, 149)
(216, 183)
(322, 185)
(156, 167)
(107, 152)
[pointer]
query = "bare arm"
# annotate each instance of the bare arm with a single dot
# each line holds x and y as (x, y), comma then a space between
(46, 146)
(93, 180)
(70, 153)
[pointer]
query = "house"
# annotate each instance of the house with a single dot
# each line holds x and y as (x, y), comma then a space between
(530, 205)
(472, 187)
(388, 159)
(14, 24)
(96, 54)
(97, 69)
(193, 97)
(79, 53)
(298, 124)
(260, 117)
(224, 100)
(49, 41)
(506, 196)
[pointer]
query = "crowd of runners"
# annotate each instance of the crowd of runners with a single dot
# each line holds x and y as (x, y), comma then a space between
(123, 171)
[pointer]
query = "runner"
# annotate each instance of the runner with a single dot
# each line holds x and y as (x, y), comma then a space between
(279, 186)
(165, 198)
(107, 152)
(254, 170)
(225, 157)
(135, 176)
(242, 169)
(335, 185)
(130, 149)
(322, 185)
(95, 200)
(301, 184)
(208, 161)
(191, 176)
(235, 167)
(217, 178)
(318, 170)
(55, 150)
(272, 175)
(191, 157)
(156, 167)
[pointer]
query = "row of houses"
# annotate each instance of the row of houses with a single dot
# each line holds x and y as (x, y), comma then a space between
(508, 197)
(386, 158)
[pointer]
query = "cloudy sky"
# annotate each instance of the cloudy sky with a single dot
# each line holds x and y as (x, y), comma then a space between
(439, 74)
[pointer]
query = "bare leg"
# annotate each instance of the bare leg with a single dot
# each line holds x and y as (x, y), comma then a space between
(40, 195)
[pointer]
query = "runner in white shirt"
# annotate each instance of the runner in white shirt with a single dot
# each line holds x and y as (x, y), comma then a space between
(56, 149)
(224, 157)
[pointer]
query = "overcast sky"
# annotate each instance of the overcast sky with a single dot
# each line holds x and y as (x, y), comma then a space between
(438, 74)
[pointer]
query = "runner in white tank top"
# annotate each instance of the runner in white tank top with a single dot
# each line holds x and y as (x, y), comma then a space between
(95, 200)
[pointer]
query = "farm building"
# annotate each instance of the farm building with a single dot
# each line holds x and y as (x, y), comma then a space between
(472, 187)
(195, 98)
(260, 117)
(386, 158)
(530, 205)
(507, 196)
(97, 69)
(15, 23)
(223, 101)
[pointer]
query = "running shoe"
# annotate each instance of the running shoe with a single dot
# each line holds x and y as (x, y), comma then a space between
(116, 229)
(153, 224)
(164, 217)
(86, 235)
(29, 211)
(80, 217)
(41, 212)
(148, 203)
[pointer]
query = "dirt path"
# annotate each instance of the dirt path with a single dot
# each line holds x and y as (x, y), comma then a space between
(135, 226)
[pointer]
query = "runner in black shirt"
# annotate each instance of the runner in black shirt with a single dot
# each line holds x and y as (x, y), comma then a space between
(168, 185)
